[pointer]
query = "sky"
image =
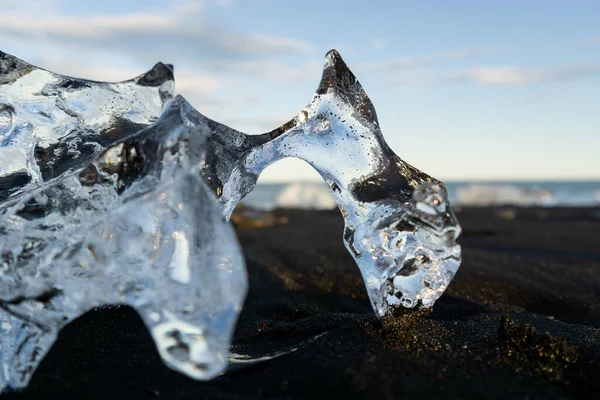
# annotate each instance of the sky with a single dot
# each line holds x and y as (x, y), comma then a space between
(464, 90)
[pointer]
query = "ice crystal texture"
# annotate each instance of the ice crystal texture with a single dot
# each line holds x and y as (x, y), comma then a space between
(399, 226)
(115, 193)
(51, 123)
(128, 222)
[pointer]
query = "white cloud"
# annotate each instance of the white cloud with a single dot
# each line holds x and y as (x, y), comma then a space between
(177, 30)
(493, 75)
(408, 62)
(30, 7)
(210, 59)
(256, 124)
(503, 75)
(271, 69)
(500, 75)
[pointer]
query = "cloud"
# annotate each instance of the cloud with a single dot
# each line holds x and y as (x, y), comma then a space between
(211, 58)
(186, 79)
(185, 29)
(498, 75)
(31, 7)
(411, 62)
(414, 77)
(256, 124)
(271, 69)
(503, 75)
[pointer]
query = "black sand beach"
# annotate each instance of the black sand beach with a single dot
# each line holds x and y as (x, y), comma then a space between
(521, 320)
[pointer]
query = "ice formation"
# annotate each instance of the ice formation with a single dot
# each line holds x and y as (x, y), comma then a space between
(133, 225)
(115, 193)
(51, 123)
(400, 228)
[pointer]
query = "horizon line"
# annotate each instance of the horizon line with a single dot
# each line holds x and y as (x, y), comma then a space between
(453, 180)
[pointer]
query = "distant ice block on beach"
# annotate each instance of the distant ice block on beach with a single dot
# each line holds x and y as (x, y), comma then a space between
(526, 193)
(309, 196)
(505, 194)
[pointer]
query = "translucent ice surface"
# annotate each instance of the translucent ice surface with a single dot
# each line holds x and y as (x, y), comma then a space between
(118, 193)
(137, 226)
(51, 123)
(400, 227)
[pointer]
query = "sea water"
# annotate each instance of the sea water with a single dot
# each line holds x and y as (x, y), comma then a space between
(316, 195)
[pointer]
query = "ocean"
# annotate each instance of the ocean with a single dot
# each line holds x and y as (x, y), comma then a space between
(316, 195)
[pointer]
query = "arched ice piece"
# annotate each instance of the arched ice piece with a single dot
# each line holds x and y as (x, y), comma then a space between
(400, 227)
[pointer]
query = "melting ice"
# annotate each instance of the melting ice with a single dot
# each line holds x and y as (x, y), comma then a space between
(111, 209)
(118, 193)
(400, 227)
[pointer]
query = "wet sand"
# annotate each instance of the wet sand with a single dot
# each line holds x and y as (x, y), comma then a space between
(521, 319)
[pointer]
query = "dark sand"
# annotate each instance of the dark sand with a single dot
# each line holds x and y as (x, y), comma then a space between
(520, 320)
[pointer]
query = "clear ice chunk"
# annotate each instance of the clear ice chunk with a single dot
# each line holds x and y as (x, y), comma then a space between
(399, 225)
(103, 202)
(137, 226)
(51, 123)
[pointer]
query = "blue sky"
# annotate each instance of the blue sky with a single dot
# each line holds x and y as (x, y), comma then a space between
(463, 89)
